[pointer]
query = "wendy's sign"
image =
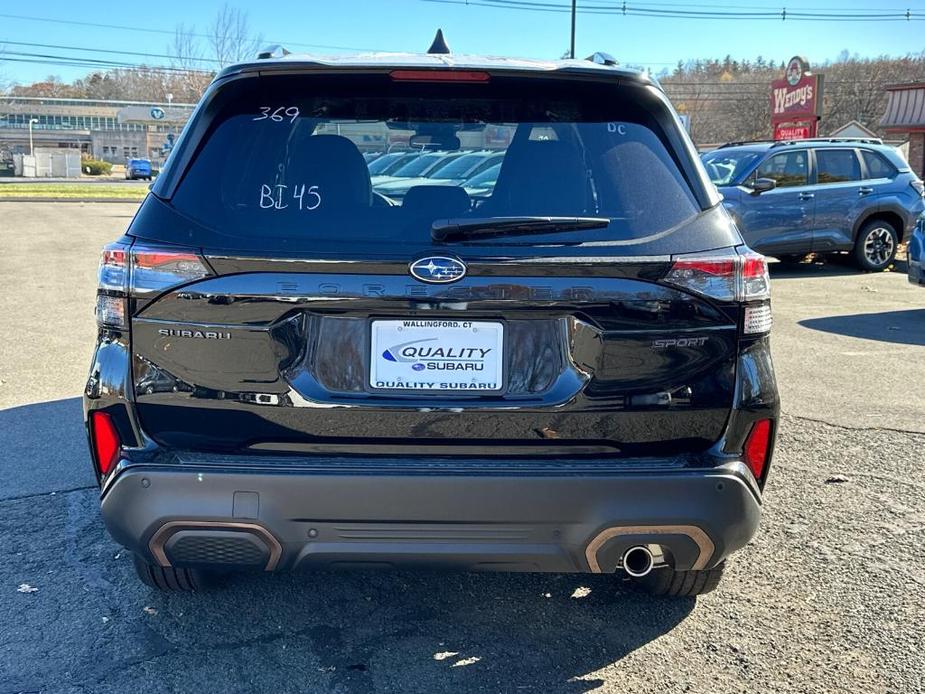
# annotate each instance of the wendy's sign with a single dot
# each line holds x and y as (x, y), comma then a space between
(796, 102)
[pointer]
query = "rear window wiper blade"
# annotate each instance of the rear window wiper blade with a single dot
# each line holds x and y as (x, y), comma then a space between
(445, 230)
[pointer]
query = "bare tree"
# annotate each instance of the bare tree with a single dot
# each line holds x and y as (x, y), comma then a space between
(192, 78)
(51, 86)
(230, 36)
(730, 99)
(4, 82)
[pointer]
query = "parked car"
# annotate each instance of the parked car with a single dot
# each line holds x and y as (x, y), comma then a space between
(916, 252)
(291, 372)
(420, 165)
(792, 198)
(454, 172)
(138, 168)
(387, 163)
(480, 187)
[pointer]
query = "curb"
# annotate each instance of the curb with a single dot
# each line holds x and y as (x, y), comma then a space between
(24, 198)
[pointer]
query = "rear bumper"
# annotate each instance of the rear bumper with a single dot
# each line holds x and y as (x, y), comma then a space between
(197, 515)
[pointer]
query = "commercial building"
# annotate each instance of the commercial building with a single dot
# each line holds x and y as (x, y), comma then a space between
(110, 130)
(905, 117)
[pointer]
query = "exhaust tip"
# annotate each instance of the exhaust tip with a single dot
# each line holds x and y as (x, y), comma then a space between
(638, 561)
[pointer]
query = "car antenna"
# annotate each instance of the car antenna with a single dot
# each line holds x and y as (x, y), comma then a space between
(439, 45)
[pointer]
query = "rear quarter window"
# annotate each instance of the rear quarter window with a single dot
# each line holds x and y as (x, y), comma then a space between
(877, 165)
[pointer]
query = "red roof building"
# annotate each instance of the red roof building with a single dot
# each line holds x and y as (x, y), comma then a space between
(905, 116)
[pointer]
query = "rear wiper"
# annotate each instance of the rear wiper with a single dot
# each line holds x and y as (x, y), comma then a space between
(446, 230)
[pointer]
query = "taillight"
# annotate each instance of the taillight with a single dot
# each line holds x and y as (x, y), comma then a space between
(112, 286)
(137, 272)
(105, 441)
(753, 279)
(712, 277)
(740, 277)
(154, 271)
(757, 447)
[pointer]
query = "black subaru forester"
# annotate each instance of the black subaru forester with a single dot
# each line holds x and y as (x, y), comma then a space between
(568, 371)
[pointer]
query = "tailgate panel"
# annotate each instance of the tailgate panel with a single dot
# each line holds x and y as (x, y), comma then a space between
(282, 359)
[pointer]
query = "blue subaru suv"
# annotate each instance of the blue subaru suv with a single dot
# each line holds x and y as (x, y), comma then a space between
(791, 198)
(917, 254)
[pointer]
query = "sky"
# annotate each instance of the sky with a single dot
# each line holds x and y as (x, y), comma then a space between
(323, 27)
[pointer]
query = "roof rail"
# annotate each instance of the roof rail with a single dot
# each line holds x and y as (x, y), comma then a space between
(739, 143)
(781, 143)
(865, 140)
(274, 51)
(601, 58)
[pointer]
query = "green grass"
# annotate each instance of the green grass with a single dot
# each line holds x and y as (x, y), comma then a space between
(75, 191)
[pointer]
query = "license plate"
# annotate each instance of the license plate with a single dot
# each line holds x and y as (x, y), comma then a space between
(437, 355)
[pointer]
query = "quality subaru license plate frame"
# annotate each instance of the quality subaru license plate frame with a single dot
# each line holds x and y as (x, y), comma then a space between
(454, 356)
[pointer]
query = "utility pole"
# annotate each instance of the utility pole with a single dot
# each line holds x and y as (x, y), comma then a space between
(574, 10)
(32, 121)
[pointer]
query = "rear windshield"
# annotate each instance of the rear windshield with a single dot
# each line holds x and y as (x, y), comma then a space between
(309, 158)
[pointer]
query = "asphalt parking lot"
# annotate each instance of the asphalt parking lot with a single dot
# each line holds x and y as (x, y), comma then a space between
(829, 597)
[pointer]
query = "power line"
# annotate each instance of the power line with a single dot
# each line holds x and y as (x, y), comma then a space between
(637, 9)
(170, 32)
(95, 62)
(735, 86)
(114, 64)
(773, 5)
(99, 63)
(29, 44)
(67, 63)
(780, 12)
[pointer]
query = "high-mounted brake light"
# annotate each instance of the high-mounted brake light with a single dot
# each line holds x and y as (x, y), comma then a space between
(140, 271)
(440, 75)
(757, 447)
(106, 442)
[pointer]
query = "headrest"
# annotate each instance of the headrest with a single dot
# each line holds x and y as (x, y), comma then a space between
(335, 165)
(540, 177)
(436, 201)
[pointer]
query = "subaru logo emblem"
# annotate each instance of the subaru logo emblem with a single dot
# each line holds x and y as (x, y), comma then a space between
(437, 269)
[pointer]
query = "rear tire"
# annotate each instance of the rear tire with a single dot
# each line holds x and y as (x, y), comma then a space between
(170, 579)
(681, 584)
(875, 247)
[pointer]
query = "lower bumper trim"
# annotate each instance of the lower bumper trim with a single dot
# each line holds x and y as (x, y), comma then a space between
(158, 541)
(569, 523)
(700, 538)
